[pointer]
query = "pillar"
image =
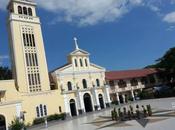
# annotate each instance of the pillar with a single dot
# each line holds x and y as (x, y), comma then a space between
(132, 94)
(107, 95)
(118, 99)
(80, 103)
(123, 96)
(95, 98)
(66, 105)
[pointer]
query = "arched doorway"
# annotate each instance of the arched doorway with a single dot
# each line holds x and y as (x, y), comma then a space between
(87, 103)
(100, 96)
(73, 107)
(2, 123)
(121, 99)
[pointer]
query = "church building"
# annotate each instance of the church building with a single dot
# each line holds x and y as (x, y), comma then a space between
(82, 83)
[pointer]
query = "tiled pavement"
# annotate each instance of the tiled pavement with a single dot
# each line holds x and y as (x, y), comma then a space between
(163, 119)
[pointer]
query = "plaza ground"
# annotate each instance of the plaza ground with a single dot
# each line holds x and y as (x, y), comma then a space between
(99, 120)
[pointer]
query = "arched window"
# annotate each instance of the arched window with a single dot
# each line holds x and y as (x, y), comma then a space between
(37, 112)
(122, 84)
(45, 110)
(60, 109)
(30, 11)
(84, 83)
(144, 80)
(69, 85)
(25, 10)
(81, 63)
(19, 10)
(134, 82)
(41, 110)
(86, 63)
(98, 82)
(76, 64)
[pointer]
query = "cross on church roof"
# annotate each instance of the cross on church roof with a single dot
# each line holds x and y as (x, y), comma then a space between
(76, 43)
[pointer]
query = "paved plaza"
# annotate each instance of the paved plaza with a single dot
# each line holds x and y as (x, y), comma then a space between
(163, 119)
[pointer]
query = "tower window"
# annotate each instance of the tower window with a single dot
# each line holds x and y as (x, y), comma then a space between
(19, 10)
(76, 63)
(29, 78)
(25, 10)
(98, 82)
(60, 110)
(69, 84)
(81, 63)
(86, 62)
(84, 83)
(30, 11)
(33, 38)
(39, 82)
(36, 59)
(27, 37)
(27, 59)
(24, 39)
(30, 39)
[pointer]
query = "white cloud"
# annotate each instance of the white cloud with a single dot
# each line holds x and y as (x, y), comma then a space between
(91, 12)
(3, 4)
(3, 57)
(88, 12)
(170, 17)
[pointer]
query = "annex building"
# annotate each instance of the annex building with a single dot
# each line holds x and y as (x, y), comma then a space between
(125, 85)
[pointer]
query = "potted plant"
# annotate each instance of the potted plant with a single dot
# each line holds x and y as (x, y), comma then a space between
(144, 111)
(149, 109)
(137, 111)
(132, 111)
(129, 115)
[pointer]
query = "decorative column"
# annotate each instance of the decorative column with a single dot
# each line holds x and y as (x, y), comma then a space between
(132, 94)
(107, 95)
(123, 96)
(95, 98)
(118, 99)
(80, 103)
(66, 105)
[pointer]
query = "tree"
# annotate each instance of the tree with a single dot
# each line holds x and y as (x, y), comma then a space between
(166, 66)
(167, 61)
(5, 73)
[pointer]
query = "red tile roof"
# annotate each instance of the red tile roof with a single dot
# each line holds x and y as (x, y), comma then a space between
(128, 74)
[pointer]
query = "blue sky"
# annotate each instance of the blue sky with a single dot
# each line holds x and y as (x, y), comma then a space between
(119, 35)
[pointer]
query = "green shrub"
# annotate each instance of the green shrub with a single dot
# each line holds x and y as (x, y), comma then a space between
(38, 121)
(146, 95)
(16, 125)
(50, 118)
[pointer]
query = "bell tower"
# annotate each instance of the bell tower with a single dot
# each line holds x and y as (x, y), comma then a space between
(27, 48)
